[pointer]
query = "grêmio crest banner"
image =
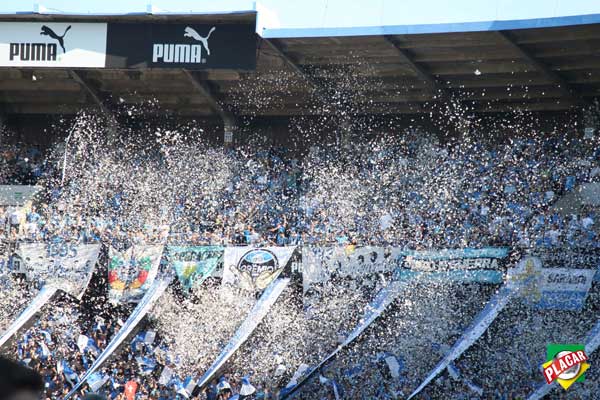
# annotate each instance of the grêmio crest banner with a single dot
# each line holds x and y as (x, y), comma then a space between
(252, 268)
(189, 45)
(132, 272)
(193, 264)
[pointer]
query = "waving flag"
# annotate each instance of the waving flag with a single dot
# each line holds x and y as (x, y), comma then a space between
(193, 264)
(130, 389)
(70, 375)
(254, 269)
(165, 376)
(146, 365)
(131, 273)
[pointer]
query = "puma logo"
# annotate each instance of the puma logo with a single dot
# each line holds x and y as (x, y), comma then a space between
(47, 31)
(190, 32)
(183, 52)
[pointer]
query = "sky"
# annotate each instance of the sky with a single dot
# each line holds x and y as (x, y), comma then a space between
(337, 13)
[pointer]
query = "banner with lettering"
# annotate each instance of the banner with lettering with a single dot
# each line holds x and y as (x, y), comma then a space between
(321, 264)
(553, 288)
(190, 45)
(486, 258)
(193, 264)
(68, 266)
(484, 265)
(253, 268)
(132, 272)
(53, 44)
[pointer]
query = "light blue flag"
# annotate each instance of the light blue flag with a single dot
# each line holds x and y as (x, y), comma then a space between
(252, 320)
(470, 336)
(193, 264)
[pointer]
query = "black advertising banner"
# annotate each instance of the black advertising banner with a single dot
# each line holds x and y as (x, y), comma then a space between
(190, 46)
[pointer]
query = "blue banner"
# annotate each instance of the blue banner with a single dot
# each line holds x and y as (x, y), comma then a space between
(552, 288)
(485, 265)
(449, 254)
(485, 276)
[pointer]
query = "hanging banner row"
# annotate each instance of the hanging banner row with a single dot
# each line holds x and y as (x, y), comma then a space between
(128, 45)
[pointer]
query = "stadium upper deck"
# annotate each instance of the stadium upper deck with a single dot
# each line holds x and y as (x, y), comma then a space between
(393, 70)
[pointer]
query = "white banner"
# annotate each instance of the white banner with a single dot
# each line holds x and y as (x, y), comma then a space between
(144, 306)
(17, 195)
(132, 272)
(36, 305)
(254, 317)
(551, 288)
(319, 264)
(565, 279)
(477, 328)
(254, 268)
(52, 44)
(68, 266)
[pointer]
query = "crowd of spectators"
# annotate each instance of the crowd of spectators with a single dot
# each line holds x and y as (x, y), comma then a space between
(59, 347)
(62, 346)
(411, 192)
(20, 164)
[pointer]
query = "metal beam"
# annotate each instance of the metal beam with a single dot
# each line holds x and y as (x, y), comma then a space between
(315, 85)
(423, 74)
(278, 48)
(208, 93)
(551, 75)
(91, 91)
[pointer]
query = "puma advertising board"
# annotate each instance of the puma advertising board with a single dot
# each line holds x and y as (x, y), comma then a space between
(53, 44)
(190, 46)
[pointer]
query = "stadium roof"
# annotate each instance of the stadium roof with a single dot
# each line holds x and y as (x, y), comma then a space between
(545, 64)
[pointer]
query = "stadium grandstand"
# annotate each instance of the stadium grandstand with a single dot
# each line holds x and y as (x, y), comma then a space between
(225, 205)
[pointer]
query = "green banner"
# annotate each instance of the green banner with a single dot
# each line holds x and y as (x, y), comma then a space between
(193, 264)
